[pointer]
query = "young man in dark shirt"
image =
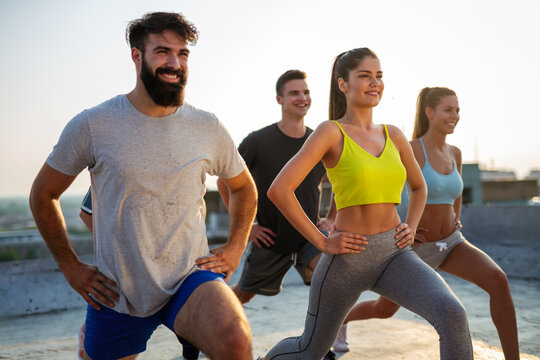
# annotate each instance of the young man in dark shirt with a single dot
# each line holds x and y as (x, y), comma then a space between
(275, 244)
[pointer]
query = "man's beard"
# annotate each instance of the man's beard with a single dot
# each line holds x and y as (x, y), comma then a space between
(163, 93)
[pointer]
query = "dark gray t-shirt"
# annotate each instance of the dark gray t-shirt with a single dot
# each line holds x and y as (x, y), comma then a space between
(148, 182)
(266, 151)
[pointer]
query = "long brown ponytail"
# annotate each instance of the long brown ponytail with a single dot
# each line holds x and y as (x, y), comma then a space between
(428, 97)
(344, 63)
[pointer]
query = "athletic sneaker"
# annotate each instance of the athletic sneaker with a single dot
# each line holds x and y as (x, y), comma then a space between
(81, 342)
(329, 356)
(341, 340)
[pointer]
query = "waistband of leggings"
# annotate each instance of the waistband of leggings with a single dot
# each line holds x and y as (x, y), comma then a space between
(381, 235)
(452, 237)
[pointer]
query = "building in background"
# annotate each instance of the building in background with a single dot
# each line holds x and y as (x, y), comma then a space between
(497, 186)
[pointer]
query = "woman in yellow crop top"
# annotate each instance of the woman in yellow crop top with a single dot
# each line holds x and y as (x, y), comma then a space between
(439, 240)
(367, 165)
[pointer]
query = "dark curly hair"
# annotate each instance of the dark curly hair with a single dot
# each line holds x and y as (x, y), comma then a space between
(156, 22)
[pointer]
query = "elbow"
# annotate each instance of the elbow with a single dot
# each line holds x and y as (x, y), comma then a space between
(275, 193)
(280, 192)
(250, 193)
(422, 194)
(272, 194)
(419, 188)
(33, 199)
(255, 195)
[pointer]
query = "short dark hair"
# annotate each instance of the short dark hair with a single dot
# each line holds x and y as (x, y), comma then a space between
(286, 77)
(156, 22)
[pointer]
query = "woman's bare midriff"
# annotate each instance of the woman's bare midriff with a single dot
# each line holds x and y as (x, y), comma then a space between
(439, 220)
(367, 219)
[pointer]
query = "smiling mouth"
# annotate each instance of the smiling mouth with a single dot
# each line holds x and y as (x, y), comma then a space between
(170, 77)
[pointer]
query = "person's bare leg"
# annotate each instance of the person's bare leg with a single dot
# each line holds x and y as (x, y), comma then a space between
(243, 296)
(310, 268)
(214, 321)
(381, 308)
(472, 264)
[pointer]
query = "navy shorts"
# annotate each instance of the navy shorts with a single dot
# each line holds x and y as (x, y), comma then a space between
(112, 335)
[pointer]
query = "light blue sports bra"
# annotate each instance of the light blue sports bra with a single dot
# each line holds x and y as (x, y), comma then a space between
(442, 189)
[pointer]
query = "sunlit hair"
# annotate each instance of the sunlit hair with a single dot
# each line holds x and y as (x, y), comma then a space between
(344, 63)
(286, 77)
(428, 97)
(154, 23)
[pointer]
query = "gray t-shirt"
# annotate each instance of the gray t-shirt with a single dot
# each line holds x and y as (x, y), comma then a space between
(148, 176)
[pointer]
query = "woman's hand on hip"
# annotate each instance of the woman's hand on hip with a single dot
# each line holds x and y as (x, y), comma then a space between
(344, 243)
(405, 235)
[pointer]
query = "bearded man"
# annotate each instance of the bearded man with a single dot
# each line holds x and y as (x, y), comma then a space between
(148, 154)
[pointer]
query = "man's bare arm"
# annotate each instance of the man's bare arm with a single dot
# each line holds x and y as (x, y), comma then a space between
(242, 207)
(45, 205)
(87, 219)
(327, 222)
(223, 190)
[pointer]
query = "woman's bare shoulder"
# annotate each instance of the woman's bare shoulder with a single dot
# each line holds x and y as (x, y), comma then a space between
(328, 128)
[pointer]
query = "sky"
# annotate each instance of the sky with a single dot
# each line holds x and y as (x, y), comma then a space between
(60, 57)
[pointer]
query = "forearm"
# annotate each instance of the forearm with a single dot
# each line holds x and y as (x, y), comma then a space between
(86, 219)
(286, 202)
(51, 224)
(331, 214)
(417, 202)
(457, 208)
(242, 206)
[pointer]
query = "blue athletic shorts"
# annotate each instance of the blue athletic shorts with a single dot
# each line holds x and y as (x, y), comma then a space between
(112, 335)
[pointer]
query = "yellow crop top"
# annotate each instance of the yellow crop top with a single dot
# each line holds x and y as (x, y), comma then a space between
(360, 178)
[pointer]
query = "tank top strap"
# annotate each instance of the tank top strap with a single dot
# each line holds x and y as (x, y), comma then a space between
(423, 149)
(386, 131)
(452, 156)
(340, 128)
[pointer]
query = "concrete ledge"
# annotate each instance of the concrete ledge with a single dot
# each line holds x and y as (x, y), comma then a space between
(505, 232)
(35, 286)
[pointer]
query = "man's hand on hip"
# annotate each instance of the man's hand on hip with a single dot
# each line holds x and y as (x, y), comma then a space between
(88, 280)
(224, 259)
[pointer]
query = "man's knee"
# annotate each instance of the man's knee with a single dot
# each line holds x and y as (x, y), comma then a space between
(235, 341)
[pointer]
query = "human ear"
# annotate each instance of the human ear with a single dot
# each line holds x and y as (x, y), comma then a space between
(136, 55)
(342, 85)
(429, 112)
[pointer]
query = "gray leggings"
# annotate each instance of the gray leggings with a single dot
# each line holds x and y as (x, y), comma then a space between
(397, 274)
